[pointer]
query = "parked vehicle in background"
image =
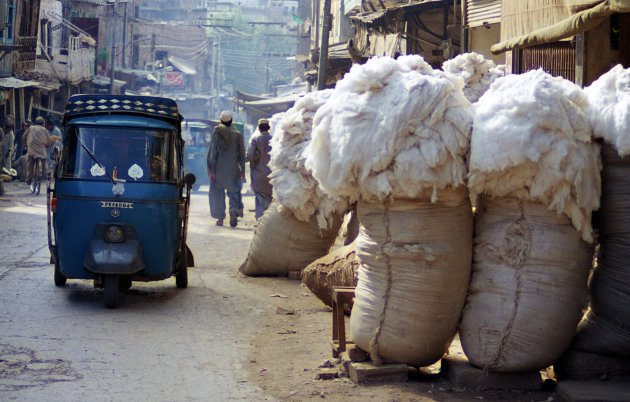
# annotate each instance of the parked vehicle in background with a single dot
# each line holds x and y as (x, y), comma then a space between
(197, 134)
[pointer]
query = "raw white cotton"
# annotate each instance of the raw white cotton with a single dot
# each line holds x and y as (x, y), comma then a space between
(476, 71)
(391, 128)
(274, 123)
(532, 140)
(293, 185)
(609, 97)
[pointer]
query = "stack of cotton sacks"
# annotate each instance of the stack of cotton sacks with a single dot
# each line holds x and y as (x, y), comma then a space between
(604, 329)
(393, 136)
(536, 170)
(288, 236)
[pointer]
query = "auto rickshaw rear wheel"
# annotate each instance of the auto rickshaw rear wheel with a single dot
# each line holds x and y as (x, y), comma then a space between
(111, 283)
(125, 283)
(181, 277)
(60, 279)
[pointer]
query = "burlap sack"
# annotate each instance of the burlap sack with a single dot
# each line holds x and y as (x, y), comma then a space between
(338, 268)
(415, 266)
(282, 243)
(606, 327)
(528, 286)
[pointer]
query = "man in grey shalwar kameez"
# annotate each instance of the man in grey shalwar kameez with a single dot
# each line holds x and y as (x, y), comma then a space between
(226, 169)
(258, 157)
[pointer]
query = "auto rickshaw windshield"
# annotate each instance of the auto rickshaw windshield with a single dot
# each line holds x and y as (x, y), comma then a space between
(131, 154)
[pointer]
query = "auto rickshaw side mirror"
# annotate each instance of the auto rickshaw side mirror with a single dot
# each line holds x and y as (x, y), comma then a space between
(190, 179)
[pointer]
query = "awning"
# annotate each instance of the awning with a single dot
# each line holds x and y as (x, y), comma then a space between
(182, 65)
(581, 22)
(12, 82)
(268, 107)
(248, 97)
(49, 85)
(409, 7)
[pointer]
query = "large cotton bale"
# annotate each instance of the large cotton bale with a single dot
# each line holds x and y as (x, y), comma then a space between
(528, 286)
(535, 164)
(282, 243)
(394, 136)
(293, 184)
(605, 328)
(415, 267)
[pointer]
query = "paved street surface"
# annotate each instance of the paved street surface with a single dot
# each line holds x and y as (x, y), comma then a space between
(162, 343)
(226, 337)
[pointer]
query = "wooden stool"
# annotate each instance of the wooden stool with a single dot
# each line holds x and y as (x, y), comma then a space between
(340, 296)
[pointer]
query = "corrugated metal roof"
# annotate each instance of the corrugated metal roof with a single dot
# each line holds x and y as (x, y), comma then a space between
(95, 2)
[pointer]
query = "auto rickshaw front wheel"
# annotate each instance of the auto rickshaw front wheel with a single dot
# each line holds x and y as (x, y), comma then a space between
(111, 283)
(181, 277)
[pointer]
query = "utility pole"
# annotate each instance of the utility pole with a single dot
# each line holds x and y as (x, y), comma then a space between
(267, 64)
(113, 51)
(323, 49)
(124, 35)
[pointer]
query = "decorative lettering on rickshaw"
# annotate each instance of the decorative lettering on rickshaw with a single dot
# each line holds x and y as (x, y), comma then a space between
(116, 204)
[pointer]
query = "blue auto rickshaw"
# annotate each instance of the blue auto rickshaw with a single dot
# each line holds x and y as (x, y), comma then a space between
(198, 135)
(119, 199)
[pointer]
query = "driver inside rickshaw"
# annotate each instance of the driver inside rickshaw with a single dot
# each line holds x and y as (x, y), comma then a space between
(124, 159)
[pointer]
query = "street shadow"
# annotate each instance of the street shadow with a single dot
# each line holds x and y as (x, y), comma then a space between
(84, 293)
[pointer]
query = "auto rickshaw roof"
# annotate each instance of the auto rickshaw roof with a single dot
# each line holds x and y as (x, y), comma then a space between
(149, 106)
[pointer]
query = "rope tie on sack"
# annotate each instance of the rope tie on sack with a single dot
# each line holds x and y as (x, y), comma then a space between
(374, 353)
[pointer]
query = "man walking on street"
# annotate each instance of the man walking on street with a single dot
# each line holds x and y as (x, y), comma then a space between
(8, 149)
(37, 140)
(226, 169)
(258, 157)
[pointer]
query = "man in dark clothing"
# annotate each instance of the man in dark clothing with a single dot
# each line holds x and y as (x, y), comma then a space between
(258, 157)
(226, 169)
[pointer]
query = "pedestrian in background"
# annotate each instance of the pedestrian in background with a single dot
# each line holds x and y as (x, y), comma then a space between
(2, 142)
(20, 138)
(38, 140)
(21, 166)
(54, 151)
(226, 169)
(258, 158)
(8, 149)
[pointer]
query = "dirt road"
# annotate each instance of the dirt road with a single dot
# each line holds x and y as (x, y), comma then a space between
(225, 337)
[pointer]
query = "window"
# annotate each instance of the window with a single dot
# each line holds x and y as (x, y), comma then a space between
(132, 155)
(10, 19)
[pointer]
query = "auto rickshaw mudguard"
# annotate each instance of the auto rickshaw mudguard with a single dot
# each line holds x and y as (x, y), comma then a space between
(114, 258)
(122, 257)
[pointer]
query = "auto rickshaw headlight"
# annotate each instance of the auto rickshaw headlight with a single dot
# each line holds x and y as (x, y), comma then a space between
(114, 234)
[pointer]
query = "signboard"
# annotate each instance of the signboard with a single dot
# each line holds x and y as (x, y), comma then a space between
(173, 79)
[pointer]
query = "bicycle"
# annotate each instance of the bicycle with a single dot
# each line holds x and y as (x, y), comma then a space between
(38, 175)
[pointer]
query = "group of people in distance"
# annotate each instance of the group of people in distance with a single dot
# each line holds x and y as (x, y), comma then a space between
(20, 150)
(226, 169)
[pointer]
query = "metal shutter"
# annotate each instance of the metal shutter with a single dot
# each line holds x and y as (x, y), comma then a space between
(479, 12)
